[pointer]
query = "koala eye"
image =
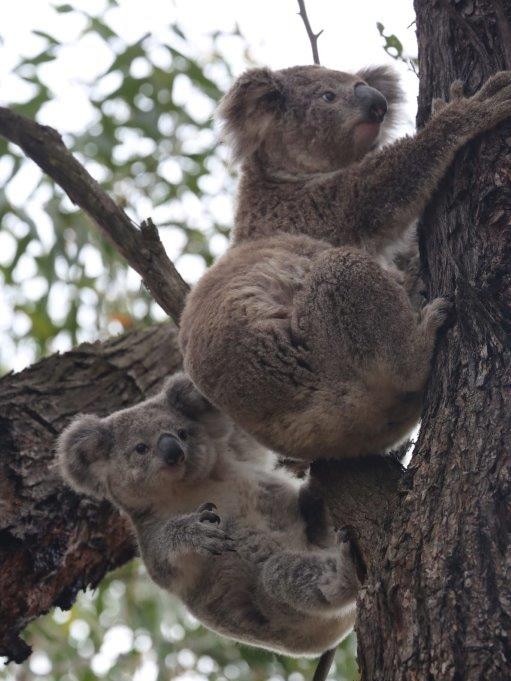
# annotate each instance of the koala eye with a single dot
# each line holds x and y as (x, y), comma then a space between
(182, 434)
(141, 448)
(328, 96)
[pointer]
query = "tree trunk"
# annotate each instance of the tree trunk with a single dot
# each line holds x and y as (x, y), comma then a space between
(52, 542)
(436, 601)
(436, 604)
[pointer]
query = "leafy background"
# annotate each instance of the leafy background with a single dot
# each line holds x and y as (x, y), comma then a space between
(151, 144)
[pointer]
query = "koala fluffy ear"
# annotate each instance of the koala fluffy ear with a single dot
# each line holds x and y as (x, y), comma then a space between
(252, 104)
(386, 80)
(184, 397)
(82, 450)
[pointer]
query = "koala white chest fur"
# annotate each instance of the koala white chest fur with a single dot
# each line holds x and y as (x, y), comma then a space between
(216, 525)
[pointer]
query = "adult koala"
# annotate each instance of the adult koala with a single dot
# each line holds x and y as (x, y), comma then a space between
(302, 332)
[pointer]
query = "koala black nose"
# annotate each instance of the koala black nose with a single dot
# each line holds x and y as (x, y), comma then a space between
(372, 101)
(169, 450)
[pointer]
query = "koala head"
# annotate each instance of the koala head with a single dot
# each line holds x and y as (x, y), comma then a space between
(309, 118)
(136, 455)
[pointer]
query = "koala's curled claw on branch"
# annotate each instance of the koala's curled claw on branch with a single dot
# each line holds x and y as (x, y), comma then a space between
(302, 332)
(216, 525)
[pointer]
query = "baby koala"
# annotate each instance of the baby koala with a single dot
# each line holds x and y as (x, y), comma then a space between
(302, 332)
(216, 525)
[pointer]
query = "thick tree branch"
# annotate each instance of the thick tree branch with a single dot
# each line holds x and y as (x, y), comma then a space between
(54, 543)
(141, 248)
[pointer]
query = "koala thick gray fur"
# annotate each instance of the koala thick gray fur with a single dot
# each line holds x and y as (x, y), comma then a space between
(216, 525)
(302, 332)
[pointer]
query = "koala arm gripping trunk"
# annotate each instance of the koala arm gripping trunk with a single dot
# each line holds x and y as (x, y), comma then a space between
(379, 197)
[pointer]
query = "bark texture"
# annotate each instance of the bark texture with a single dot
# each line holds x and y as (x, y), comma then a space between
(436, 604)
(434, 546)
(52, 542)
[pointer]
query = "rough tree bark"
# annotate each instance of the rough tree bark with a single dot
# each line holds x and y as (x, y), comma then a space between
(52, 542)
(437, 600)
(435, 603)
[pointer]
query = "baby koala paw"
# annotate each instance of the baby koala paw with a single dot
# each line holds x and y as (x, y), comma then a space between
(205, 535)
(206, 513)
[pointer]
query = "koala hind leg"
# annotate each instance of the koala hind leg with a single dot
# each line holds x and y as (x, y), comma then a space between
(372, 351)
(431, 318)
(320, 583)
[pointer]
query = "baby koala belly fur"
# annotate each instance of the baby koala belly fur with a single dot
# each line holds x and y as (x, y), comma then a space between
(226, 592)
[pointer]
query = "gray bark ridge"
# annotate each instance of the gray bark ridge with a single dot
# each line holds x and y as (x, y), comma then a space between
(436, 604)
(53, 543)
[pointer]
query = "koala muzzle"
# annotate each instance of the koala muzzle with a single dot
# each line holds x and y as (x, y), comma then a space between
(169, 450)
(372, 101)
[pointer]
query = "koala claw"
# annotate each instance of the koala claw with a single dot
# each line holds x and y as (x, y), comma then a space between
(456, 90)
(351, 550)
(206, 513)
(204, 536)
(438, 105)
(208, 517)
(494, 85)
(207, 506)
(343, 535)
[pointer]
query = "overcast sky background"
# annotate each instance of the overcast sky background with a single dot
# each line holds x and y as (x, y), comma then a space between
(272, 29)
(276, 37)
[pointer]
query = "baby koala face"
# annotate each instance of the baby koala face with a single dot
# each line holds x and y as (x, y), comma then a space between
(135, 455)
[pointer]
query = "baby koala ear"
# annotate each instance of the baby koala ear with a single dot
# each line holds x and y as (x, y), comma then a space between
(83, 449)
(254, 102)
(184, 397)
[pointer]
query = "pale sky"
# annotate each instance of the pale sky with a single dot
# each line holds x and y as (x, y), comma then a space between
(276, 37)
(273, 31)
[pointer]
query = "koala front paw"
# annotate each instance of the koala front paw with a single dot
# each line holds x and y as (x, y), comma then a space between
(494, 99)
(496, 86)
(435, 314)
(455, 92)
(207, 513)
(201, 535)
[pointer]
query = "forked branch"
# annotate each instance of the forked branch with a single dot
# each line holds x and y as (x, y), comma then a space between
(313, 37)
(141, 248)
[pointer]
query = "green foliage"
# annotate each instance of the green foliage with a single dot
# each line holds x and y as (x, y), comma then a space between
(128, 629)
(149, 142)
(394, 48)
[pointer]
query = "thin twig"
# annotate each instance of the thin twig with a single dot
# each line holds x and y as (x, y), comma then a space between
(141, 248)
(313, 37)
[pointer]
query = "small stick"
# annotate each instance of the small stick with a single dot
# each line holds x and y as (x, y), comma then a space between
(313, 37)
(324, 664)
